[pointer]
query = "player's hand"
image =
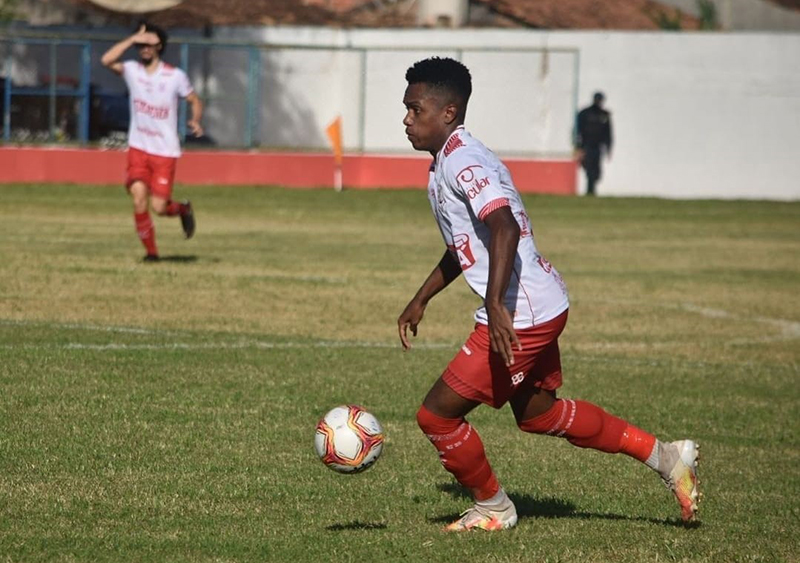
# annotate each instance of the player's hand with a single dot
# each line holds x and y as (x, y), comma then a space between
(195, 128)
(409, 318)
(502, 336)
(145, 37)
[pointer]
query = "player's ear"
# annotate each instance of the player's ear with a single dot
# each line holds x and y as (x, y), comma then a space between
(450, 113)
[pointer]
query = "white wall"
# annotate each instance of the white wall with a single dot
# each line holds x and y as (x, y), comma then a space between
(696, 115)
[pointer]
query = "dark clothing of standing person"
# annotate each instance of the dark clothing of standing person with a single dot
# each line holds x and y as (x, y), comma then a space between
(593, 136)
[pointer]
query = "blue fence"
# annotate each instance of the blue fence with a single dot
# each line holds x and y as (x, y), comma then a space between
(58, 106)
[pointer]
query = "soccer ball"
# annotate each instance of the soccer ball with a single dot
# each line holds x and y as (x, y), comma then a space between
(349, 439)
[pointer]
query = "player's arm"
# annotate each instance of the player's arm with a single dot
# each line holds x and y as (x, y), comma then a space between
(502, 253)
(196, 107)
(111, 58)
(442, 275)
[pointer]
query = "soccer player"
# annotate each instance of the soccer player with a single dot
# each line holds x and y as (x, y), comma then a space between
(512, 355)
(154, 147)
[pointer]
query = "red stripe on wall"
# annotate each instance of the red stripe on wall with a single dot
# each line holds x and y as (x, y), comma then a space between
(297, 170)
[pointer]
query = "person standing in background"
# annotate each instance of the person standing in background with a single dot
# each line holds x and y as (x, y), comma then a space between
(154, 147)
(592, 139)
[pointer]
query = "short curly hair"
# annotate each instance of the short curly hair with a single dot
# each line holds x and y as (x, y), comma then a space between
(443, 74)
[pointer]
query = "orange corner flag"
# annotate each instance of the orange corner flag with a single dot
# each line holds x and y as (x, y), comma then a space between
(334, 131)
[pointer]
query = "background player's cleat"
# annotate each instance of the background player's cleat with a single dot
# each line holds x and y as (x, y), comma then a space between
(682, 479)
(485, 518)
(150, 258)
(187, 219)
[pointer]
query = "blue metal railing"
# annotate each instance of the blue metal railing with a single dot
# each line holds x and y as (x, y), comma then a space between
(83, 91)
(52, 90)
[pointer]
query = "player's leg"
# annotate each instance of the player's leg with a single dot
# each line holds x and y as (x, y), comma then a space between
(137, 182)
(583, 424)
(161, 201)
(441, 418)
(461, 451)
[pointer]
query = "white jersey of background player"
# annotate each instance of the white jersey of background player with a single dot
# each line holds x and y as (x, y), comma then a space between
(154, 107)
(465, 171)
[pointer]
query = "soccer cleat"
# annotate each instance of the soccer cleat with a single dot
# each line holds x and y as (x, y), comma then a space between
(682, 478)
(151, 258)
(486, 518)
(187, 219)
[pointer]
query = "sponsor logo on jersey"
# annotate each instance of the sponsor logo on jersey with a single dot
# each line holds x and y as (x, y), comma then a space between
(467, 175)
(462, 251)
(452, 144)
(476, 187)
(156, 112)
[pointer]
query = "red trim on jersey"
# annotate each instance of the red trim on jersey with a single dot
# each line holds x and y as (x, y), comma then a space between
(493, 205)
(527, 297)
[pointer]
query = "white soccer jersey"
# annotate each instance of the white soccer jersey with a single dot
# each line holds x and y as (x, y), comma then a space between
(154, 107)
(466, 183)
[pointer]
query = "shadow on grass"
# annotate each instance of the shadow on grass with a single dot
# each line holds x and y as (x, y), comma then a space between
(179, 258)
(529, 506)
(356, 525)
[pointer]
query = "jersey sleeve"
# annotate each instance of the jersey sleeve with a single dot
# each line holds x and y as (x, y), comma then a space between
(184, 86)
(476, 180)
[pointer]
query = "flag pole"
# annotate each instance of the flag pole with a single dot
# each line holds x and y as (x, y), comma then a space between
(334, 132)
(337, 178)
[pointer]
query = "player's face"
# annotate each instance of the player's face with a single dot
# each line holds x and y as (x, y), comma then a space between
(147, 53)
(426, 118)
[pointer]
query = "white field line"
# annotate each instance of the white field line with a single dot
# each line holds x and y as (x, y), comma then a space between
(789, 330)
(89, 327)
(255, 344)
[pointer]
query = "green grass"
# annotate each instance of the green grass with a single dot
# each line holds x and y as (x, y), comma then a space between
(166, 412)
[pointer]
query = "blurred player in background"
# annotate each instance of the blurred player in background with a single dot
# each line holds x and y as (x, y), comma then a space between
(154, 147)
(593, 140)
(512, 355)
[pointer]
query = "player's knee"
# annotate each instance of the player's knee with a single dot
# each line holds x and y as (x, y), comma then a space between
(424, 419)
(432, 424)
(542, 423)
(159, 207)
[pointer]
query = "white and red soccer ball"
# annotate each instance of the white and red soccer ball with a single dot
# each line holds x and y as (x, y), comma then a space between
(348, 439)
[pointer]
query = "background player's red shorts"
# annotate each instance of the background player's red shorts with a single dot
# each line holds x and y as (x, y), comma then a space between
(158, 172)
(479, 374)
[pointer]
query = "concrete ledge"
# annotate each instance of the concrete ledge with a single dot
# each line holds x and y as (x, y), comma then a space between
(296, 170)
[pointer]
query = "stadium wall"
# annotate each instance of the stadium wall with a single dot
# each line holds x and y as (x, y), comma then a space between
(300, 170)
(696, 115)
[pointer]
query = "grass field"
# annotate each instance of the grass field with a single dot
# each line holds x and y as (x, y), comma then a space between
(165, 412)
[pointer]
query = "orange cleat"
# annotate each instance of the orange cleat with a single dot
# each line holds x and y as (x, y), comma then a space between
(682, 479)
(481, 517)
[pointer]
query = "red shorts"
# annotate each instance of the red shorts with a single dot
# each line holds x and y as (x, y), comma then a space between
(478, 374)
(157, 172)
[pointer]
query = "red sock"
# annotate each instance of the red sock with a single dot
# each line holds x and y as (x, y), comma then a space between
(146, 231)
(461, 452)
(588, 426)
(175, 208)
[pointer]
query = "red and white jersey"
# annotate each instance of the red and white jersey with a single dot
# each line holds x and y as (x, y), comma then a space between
(466, 183)
(154, 107)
